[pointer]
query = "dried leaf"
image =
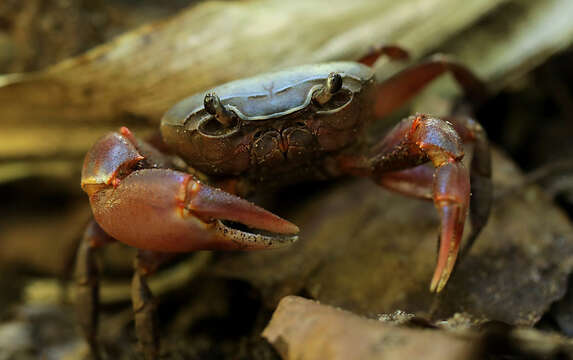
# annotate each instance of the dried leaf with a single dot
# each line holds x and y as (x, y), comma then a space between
(306, 330)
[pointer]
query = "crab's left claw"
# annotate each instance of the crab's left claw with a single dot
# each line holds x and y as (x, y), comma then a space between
(451, 197)
(395, 164)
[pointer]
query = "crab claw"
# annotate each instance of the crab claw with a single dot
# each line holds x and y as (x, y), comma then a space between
(170, 211)
(166, 210)
(212, 203)
(451, 197)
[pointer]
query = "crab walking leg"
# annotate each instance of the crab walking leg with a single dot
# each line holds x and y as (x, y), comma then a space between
(144, 305)
(392, 93)
(87, 284)
(394, 52)
(411, 143)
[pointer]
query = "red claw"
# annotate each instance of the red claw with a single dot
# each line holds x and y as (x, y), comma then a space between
(166, 210)
(107, 159)
(396, 165)
(218, 204)
(170, 211)
(451, 197)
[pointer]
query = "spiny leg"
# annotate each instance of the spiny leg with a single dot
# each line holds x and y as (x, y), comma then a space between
(394, 52)
(395, 91)
(87, 284)
(411, 143)
(144, 305)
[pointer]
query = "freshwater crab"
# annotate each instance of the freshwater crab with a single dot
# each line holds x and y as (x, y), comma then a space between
(304, 123)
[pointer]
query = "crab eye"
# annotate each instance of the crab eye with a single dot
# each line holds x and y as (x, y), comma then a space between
(331, 95)
(222, 121)
(215, 107)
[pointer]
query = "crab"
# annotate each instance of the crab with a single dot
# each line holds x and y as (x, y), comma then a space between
(261, 133)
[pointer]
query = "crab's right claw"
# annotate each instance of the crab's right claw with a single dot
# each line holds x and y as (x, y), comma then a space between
(170, 211)
(261, 228)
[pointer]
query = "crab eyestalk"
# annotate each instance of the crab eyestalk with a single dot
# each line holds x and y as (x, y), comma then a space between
(332, 85)
(214, 106)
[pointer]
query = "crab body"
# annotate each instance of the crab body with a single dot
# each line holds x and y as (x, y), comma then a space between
(280, 135)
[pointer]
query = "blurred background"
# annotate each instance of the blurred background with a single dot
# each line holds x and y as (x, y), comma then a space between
(73, 70)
